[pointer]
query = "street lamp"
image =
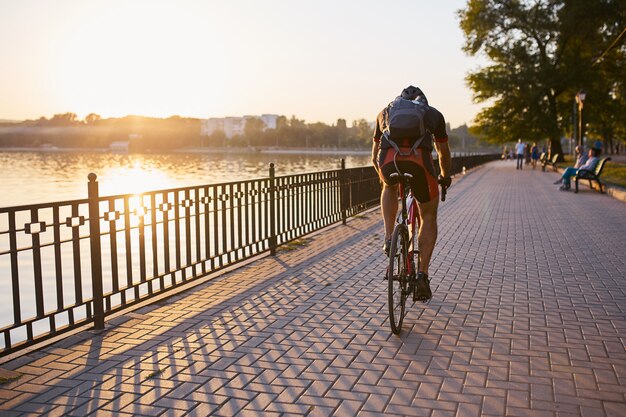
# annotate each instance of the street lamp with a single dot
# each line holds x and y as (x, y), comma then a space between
(580, 99)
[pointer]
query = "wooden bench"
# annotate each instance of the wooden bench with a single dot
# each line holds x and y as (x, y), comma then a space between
(545, 162)
(594, 175)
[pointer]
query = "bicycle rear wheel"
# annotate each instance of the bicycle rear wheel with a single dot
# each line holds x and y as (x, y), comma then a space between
(397, 276)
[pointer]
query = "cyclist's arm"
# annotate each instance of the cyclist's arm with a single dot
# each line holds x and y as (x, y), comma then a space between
(376, 144)
(441, 141)
(375, 148)
(445, 159)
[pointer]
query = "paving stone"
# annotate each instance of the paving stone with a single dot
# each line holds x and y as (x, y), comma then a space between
(525, 321)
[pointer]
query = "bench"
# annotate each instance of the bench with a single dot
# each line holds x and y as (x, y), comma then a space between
(545, 162)
(594, 175)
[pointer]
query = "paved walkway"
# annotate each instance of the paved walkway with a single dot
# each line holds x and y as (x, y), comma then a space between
(528, 319)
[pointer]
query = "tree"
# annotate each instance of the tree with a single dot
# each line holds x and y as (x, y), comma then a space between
(541, 53)
(64, 119)
(606, 94)
(363, 132)
(253, 129)
(92, 118)
(281, 122)
(217, 139)
(296, 123)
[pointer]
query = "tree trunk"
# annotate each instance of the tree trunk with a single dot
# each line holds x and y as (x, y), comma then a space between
(607, 138)
(555, 147)
(555, 133)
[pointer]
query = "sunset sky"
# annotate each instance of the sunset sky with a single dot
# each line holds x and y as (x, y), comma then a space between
(318, 60)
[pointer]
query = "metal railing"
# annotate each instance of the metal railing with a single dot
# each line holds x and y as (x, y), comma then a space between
(68, 264)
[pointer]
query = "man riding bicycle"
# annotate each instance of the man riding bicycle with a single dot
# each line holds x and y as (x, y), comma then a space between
(403, 142)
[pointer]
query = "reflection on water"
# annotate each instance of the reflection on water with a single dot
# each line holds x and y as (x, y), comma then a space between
(30, 177)
(40, 177)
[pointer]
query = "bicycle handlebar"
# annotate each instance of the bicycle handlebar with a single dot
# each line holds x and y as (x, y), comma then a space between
(444, 182)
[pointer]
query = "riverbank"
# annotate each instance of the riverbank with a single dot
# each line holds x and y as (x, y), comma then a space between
(270, 151)
(220, 151)
(280, 151)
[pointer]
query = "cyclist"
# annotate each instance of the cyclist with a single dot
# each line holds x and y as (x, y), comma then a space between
(409, 150)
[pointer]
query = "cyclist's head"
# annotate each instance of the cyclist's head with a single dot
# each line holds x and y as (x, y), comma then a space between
(414, 93)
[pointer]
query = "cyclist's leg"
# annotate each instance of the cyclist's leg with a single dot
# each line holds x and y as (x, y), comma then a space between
(389, 207)
(427, 236)
(389, 194)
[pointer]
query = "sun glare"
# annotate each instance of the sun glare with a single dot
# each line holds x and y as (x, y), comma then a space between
(133, 59)
(133, 180)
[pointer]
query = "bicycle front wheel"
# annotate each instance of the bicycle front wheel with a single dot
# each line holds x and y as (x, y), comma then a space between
(397, 276)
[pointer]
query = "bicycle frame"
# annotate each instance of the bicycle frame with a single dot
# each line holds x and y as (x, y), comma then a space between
(409, 215)
(403, 269)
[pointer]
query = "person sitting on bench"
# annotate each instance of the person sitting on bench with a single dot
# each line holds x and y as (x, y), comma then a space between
(589, 164)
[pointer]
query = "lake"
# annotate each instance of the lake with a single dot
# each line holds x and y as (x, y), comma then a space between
(53, 176)
(41, 177)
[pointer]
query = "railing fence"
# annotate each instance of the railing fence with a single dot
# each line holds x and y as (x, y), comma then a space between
(67, 264)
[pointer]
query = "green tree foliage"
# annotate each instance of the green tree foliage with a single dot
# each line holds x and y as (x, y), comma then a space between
(540, 53)
(253, 129)
(64, 119)
(296, 133)
(92, 118)
(156, 134)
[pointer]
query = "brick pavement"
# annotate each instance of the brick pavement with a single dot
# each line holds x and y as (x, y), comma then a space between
(528, 319)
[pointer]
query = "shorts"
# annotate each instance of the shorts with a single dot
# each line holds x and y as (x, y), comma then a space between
(424, 183)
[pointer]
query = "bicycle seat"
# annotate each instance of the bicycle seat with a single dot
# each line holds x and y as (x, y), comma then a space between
(395, 174)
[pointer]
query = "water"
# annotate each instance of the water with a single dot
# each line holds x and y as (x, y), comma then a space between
(42, 177)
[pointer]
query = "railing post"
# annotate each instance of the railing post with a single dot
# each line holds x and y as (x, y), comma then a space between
(96, 252)
(343, 190)
(273, 241)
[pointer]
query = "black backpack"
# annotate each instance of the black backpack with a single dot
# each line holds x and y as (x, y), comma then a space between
(404, 119)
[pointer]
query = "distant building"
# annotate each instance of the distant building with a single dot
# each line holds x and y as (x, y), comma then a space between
(232, 126)
(269, 120)
(208, 126)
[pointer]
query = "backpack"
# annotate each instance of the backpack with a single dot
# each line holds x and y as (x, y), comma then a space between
(404, 119)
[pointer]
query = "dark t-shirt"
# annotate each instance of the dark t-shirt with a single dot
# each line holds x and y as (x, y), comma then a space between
(433, 121)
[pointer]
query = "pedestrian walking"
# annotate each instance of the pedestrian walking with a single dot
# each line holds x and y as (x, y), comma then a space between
(519, 150)
(534, 154)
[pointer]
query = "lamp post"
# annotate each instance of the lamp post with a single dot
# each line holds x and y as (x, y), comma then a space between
(580, 99)
(574, 138)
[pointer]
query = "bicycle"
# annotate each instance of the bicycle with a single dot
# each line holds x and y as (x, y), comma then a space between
(402, 269)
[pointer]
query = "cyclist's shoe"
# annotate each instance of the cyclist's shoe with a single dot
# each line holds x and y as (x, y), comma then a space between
(387, 247)
(423, 287)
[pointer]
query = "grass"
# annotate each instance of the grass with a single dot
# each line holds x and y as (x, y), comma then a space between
(8, 376)
(154, 374)
(293, 245)
(613, 173)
